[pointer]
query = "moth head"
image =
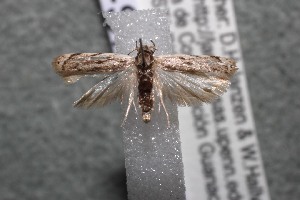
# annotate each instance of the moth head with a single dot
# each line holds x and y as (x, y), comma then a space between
(145, 48)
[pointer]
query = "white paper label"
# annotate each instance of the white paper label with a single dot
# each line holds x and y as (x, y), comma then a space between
(221, 153)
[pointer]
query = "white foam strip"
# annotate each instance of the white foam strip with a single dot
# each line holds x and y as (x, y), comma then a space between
(153, 157)
(212, 146)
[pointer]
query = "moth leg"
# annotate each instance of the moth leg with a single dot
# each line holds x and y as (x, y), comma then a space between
(165, 109)
(163, 105)
(136, 48)
(152, 42)
(130, 101)
(131, 51)
(154, 47)
(134, 107)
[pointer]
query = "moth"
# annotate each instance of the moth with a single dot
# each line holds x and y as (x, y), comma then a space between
(185, 80)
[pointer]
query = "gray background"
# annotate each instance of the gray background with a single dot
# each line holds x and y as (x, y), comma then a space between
(48, 150)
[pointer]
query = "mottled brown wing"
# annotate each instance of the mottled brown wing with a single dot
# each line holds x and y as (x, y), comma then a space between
(191, 80)
(117, 72)
(214, 66)
(75, 65)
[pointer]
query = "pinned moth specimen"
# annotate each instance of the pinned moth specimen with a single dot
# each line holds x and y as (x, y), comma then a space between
(185, 80)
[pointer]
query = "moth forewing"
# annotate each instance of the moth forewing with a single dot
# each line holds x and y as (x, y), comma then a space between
(79, 64)
(201, 65)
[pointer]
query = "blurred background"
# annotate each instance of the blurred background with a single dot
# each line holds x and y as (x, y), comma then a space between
(49, 150)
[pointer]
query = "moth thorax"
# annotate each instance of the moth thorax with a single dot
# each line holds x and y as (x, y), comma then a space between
(146, 117)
